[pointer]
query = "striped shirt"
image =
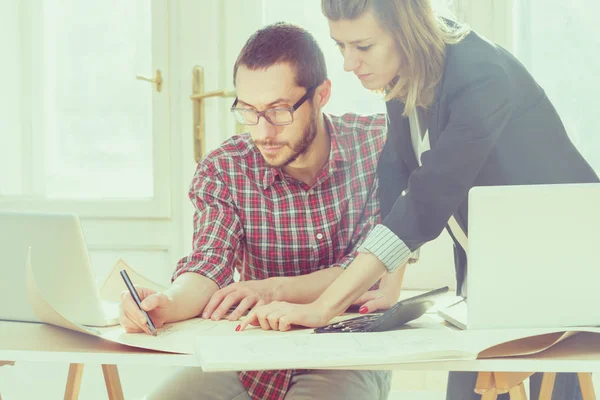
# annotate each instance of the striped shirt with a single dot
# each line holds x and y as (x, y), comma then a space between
(264, 223)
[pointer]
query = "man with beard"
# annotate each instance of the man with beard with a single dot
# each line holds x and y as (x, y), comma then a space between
(287, 205)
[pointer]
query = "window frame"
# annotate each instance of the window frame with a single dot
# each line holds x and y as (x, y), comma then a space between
(32, 138)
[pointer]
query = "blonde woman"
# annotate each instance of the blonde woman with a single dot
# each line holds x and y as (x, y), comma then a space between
(463, 112)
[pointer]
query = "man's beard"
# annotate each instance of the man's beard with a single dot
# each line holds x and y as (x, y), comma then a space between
(308, 137)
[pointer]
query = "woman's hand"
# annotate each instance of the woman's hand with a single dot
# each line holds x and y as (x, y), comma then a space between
(280, 316)
(374, 300)
(383, 298)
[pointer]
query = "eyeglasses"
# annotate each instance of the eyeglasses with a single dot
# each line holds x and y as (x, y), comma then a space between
(275, 116)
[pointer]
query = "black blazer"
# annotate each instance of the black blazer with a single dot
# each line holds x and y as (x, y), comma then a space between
(491, 124)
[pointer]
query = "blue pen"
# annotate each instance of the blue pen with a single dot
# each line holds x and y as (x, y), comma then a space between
(137, 300)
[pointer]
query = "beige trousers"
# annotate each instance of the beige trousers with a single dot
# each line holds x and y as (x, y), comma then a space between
(192, 383)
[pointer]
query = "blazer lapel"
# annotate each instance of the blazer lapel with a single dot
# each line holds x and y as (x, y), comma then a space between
(401, 134)
(433, 122)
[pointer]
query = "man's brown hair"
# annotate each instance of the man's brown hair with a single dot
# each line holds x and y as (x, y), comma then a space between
(284, 43)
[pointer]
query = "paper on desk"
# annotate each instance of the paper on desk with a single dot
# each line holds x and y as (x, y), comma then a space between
(178, 337)
(509, 342)
(520, 342)
(40, 306)
(428, 342)
(175, 338)
(425, 342)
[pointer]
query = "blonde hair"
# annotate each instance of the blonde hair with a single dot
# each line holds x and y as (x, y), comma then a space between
(421, 38)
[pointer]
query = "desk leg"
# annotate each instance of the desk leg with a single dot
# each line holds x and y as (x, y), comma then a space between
(505, 381)
(485, 382)
(491, 384)
(74, 382)
(518, 392)
(113, 383)
(486, 386)
(587, 387)
(547, 386)
(490, 394)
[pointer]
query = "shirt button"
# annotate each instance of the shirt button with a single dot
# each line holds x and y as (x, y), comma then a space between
(319, 236)
(311, 191)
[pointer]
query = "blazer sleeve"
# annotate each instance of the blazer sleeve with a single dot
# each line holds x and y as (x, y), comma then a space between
(392, 173)
(480, 106)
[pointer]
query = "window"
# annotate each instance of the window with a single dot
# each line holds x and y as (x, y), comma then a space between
(558, 42)
(10, 101)
(96, 117)
(76, 123)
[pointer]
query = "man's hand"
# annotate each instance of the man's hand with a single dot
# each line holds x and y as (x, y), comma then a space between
(245, 295)
(157, 305)
(280, 316)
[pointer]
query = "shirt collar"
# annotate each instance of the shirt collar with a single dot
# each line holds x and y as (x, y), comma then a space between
(269, 174)
(338, 151)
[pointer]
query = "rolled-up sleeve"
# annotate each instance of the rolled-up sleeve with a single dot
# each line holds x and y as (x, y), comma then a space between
(387, 247)
(217, 229)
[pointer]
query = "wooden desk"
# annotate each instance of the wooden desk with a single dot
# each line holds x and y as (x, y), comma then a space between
(45, 343)
(580, 354)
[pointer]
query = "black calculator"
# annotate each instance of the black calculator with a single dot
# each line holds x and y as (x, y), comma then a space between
(394, 318)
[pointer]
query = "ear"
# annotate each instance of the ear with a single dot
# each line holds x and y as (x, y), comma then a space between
(322, 94)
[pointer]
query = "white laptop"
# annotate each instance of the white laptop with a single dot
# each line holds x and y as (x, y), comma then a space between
(61, 265)
(534, 258)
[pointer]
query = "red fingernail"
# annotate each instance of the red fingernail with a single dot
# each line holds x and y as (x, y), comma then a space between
(363, 310)
(238, 328)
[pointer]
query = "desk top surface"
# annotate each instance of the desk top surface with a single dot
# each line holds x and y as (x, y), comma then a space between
(22, 341)
(45, 343)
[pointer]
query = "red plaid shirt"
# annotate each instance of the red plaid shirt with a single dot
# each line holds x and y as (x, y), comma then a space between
(263, 222)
